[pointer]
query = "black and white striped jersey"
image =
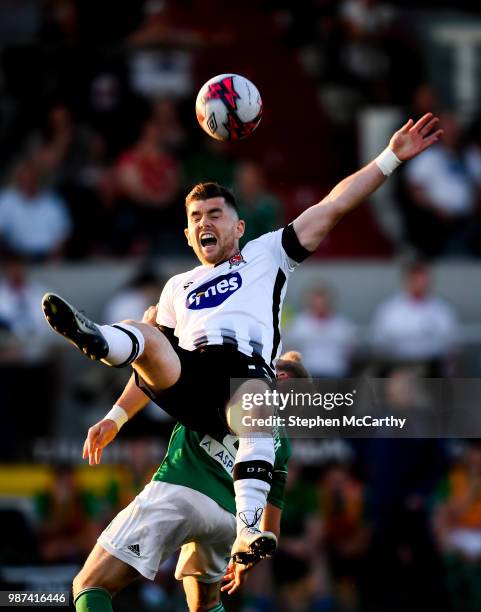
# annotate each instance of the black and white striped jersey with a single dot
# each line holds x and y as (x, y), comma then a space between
(236, 302)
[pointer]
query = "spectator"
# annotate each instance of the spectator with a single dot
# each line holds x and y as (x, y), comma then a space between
(365, 55)
(147, 175)
(444, 188)
(148, 179)
(19, 311)
(60, 21)
(63, 147)
(458, 521)
(33, 221)
(132, 301)
(260, 209)
(325, 339)
(166, 116)
(74, 156)
(401, 477)
(212, 161)
(298, 572)
(68, 529)
(345, 531)
(25, 354)
(415, 325)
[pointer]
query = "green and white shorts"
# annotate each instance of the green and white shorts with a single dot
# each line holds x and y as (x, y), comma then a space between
(164, 518)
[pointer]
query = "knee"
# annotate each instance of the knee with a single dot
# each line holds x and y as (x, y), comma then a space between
(151, 334)
(131, 322)
(79, 583)
(84, 580)
(201, 596)
(249, 408)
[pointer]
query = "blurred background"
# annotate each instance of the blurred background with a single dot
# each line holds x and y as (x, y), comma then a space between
(99, 145)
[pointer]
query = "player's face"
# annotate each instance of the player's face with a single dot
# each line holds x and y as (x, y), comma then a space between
(213, 230)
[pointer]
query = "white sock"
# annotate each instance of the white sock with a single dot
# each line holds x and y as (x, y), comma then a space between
(251, 493)
(126, 343)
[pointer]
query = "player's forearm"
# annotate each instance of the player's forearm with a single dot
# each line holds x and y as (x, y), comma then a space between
(132, 399)
(353, 190)
(318, 220)
(271, 519)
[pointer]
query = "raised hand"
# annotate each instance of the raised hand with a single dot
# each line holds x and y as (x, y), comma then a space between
(413, 138)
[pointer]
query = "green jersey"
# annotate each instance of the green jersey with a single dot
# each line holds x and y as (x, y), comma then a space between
(205, 464)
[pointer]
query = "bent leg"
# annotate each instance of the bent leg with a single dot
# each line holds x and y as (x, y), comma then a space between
(202, 596)
(103, 571)
(159, 365)
(243, 414)
(118, 345)
(254, 462)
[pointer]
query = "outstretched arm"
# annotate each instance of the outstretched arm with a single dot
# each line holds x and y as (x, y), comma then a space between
(318, 220)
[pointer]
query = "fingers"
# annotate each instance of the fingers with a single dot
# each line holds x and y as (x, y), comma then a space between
(421, 123)
(150, 315)
(233, 580)
(407, 126)
(231, 587)
(427, 142)
(429, 126)
(230, 579)
(229, 572)
(98, 455)
(97, 448)
(90, 444)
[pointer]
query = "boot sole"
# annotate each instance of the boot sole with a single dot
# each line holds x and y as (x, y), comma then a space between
(263, 548)
(61, 317)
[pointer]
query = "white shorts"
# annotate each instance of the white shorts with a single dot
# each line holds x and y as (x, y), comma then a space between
(165, 517)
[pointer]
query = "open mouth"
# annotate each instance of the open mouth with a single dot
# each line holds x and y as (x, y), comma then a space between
(207, 239)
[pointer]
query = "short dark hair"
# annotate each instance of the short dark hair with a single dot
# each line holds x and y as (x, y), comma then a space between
(204, 191)
(291, 363)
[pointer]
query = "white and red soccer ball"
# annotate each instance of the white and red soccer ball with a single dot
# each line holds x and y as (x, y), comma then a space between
(228, 107)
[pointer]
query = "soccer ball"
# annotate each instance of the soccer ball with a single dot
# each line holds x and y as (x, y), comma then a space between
(228, 107)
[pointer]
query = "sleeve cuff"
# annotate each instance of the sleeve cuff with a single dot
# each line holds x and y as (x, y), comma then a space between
(292, 246)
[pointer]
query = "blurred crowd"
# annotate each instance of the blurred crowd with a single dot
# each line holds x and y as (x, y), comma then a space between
(98, 139)
(98, 146)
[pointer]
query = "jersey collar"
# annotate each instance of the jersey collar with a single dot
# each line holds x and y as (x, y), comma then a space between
(235, 260)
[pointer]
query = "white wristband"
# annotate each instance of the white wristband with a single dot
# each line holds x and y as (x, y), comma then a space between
(387, 161)
(118, 415)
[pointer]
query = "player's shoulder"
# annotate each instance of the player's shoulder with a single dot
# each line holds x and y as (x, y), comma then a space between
(264, 241)
(284, 245)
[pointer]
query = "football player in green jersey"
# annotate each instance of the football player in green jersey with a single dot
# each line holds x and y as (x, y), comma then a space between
(188, 505)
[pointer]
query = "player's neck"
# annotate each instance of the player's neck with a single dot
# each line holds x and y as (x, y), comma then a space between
(223, 259)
